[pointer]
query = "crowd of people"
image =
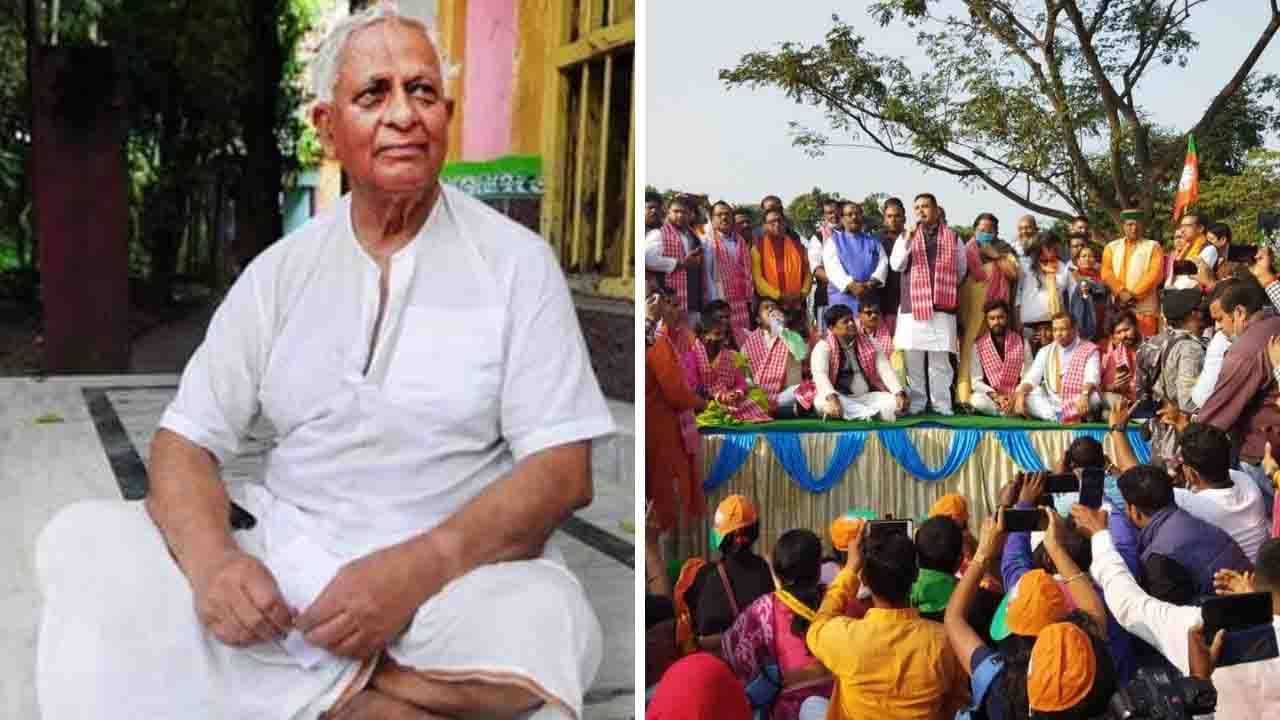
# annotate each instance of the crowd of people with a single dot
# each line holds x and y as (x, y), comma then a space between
(754, 324)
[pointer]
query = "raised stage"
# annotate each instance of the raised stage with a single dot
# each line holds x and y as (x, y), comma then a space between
(803, 473)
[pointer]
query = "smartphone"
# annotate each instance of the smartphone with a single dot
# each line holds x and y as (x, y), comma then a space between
(1235, 612)
(1249, 645)
(1091, 480)
(1058, 483)
(884, 528)
(1242, 253)
(1018, 520)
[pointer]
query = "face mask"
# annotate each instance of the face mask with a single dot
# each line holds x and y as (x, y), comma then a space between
(984, 237)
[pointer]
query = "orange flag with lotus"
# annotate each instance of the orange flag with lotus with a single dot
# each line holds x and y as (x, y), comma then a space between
(1189, 184)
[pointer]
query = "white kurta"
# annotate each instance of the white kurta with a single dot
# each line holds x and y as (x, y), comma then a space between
(1044, 402)
(1033, 300)
(862, 403)
(479, 362)
(839, 277)
(937, 334)
(980, 398)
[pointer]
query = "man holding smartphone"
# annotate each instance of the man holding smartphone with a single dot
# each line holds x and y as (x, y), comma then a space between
(673, 257)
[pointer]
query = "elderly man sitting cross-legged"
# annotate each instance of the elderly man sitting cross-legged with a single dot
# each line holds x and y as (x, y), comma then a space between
(427, 448)
(1062, 384)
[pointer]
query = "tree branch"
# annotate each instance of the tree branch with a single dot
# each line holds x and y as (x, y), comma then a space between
(1098, 16)
(1242, 73)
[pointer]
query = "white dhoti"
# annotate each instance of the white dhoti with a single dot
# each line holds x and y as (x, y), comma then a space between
(980, 400)
(869, 405)
(119, 636)
(1044, 405)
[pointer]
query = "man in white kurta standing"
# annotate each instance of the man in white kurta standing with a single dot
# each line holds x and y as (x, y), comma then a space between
(673, 254)
(816, 248)
(420, 359)
(932, 262)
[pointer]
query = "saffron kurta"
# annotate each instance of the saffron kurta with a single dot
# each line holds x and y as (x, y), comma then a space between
(1137, 267)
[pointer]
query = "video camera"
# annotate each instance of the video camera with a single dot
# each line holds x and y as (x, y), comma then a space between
(1160, 693)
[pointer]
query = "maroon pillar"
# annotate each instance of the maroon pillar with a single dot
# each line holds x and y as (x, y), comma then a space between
(81, 210)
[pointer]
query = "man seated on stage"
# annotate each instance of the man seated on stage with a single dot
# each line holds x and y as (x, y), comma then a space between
(852, 377)
(871, 322)
(775, 365)
(1062, 385)
(999, 359)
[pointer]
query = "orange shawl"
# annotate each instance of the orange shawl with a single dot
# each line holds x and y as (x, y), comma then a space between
(787, 273)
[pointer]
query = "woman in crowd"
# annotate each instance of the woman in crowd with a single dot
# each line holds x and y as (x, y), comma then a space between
(772, 629)
(1045, 280)
(1087, 300)
(720, 591)
(712, 371)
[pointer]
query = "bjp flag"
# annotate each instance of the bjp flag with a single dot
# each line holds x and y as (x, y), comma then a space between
(1189, 185)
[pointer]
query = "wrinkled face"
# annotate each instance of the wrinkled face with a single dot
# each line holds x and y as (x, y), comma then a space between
(997, 321)
(1064, 331)
(1126, 334)
(851, 217)
(829, 213)
(678, 215)
(722, 218)
(894, 219)
(1132, 229)
(743, 221)
(388, 121)
(870, 317)
(926, 211)
(845, 327)
(652, 213)
(1027, 228)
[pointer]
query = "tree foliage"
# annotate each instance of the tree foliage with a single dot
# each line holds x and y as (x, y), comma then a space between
(1237, 200)
(1037, 99)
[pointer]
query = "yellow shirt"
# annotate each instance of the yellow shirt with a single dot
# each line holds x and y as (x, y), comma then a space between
(890, 664)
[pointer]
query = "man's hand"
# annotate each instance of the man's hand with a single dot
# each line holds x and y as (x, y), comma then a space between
(1232, 582)
(1273, 351)
(1170, 415)
(856, 288)
(1019, 404)
(853, 559)
(1008, 494)
(992, 538)
(1032, 488)
(368, 602)
(1269, 464)
(693, 259)
(1004, 403)
(238, 600)
(901, 403)
(1201, 658)
(1119, 414)
(1082, 405)
(1055, 528)
(1261, 266)
(1089, 521)
(1124, 297)
(831, 408)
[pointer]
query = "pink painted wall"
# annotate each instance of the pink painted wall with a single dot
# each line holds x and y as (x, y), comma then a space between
(489, 74)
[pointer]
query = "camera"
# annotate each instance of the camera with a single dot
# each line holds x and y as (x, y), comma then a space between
(1161, 693)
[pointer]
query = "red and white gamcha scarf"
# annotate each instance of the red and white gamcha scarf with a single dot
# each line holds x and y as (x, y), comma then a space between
(1003, 374)
(723, 377)
(673, 247)
(934, 286)
(1069, 384)
(881, 337)
(735, 278)
(768, 362)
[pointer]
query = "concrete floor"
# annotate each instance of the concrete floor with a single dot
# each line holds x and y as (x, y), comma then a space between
(52, 454)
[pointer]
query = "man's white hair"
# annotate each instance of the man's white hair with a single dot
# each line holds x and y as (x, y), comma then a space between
(328, 57)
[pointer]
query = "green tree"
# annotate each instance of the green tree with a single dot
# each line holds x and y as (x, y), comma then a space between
(805, 211)
(1238, 199)
(1038, 101)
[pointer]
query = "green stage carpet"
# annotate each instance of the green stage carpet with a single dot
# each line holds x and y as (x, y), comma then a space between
(981, 422)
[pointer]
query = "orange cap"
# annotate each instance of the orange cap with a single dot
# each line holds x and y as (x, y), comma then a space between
(844, 529)
(953, 506)
(1062, 668)
(734, 513)
(1035, 603)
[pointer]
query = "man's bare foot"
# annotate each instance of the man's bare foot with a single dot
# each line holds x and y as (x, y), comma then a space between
(370, 704)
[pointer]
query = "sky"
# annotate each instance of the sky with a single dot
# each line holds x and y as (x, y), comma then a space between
(734, 144)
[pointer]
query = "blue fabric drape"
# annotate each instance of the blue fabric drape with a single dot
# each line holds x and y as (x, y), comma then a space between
(899, 445)
(1018, 446)
(1140, 447)
(787, 450)
(734, 450)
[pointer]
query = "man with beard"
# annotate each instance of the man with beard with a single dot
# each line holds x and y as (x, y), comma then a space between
(1244, 401)
(652, 211)
(894, 216)
(728, 261)
(1120, 362)
(818, 294)
(673, 254)
(780, 266)
(1181, 358)
(1027, 231)
(852, 377)
(1131, 268)
(993, 269)
(855, 260)
(999, 359)
(1062, 384)
(933, 263)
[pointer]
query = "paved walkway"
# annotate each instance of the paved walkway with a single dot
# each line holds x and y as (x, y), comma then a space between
(71, 438)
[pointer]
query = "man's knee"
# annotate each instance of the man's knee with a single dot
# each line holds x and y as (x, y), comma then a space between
(76, 531)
